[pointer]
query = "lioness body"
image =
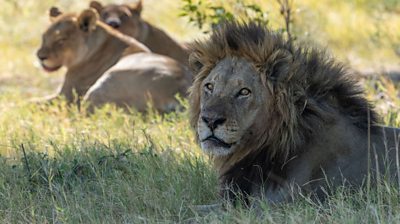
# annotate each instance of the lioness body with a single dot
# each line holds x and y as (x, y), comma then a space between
(127, 19)
(280, 120)
(153, 76)
(81, 76)
(89, 49)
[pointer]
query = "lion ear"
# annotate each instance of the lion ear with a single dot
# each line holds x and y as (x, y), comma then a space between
(87, 20)
(96, 5)
(278, 65)
(194, 62)
(54, 12)
(136, 8)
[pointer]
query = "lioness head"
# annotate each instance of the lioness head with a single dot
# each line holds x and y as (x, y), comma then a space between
(123, 17)
(65, 43)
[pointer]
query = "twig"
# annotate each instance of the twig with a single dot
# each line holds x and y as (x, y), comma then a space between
(286, 12)
(26, 161)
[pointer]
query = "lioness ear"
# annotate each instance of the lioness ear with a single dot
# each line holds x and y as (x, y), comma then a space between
(96, 5)
(54, 12)
(136, 8)
(194, 63)
(87, 20)
(278, 65)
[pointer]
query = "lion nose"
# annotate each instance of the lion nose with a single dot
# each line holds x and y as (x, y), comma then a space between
(213, 123)
(114, 22)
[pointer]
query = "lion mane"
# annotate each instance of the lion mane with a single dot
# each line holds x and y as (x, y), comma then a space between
(307, 85)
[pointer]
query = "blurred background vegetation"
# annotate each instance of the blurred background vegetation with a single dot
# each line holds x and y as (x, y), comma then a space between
(363, 33)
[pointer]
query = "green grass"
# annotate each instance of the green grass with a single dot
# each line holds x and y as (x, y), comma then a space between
(60, 165)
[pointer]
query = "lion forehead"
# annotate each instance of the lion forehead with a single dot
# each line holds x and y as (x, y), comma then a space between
(234, 71)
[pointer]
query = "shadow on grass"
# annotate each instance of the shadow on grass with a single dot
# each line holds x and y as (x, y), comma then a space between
(99, 184)
(90, 182)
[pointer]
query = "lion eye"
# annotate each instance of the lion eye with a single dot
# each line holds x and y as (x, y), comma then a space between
(244, 92)
(61, 41)
(209, 87)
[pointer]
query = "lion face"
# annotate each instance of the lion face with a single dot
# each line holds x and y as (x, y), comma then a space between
(232, 102)
(123, 17)
(65, 43)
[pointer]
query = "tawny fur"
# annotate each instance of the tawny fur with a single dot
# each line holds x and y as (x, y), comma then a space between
(128, 20)
(106, 66)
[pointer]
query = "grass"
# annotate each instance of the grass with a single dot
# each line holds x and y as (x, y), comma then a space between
(58, 165)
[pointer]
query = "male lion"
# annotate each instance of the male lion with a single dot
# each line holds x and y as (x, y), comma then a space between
(127, 19)
(280, 120)
(106, 66)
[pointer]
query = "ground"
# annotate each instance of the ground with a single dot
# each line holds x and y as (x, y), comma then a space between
(59, 165)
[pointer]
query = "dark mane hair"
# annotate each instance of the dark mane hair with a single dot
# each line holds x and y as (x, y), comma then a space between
(308, 87)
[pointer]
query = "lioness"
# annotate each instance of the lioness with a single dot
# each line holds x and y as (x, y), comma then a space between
(117, 68)
(280, 120)
(127, 19)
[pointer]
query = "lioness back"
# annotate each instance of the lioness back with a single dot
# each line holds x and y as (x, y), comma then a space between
(141, 78)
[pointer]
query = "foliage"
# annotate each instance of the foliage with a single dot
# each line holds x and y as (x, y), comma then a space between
(207, 14)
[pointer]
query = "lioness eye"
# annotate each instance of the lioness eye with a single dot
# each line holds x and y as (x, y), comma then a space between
(124, 16)
(104, 15)
(244, 92)
(209, 86)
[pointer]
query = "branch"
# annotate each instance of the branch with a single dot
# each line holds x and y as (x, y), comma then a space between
(286, 11)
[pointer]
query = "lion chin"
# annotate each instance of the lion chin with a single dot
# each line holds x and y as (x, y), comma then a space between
(216, 147)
